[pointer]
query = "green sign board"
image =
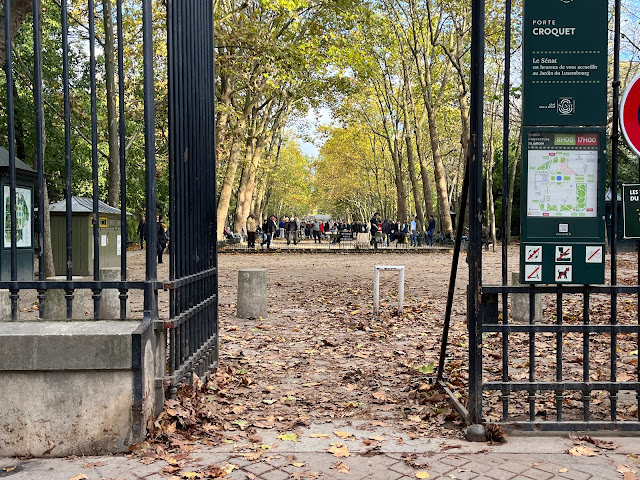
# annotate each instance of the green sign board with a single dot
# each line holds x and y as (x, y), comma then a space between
(563, 224)
(631, 210)
(565, 62)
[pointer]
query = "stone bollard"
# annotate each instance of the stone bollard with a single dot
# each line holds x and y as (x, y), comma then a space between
(5, 306)
(252, 293)
(520, 303)
(55, 303)
(110, 297)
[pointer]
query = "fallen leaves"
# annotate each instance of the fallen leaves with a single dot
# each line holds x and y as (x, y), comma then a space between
(341, 467)
(288, 437)
(80, 476)
(422, 474)
(339, 450)
(627, 472)
(581, 451)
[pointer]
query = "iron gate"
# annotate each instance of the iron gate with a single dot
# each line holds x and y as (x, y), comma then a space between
(193, 325)
(583, 396)
(192, 329)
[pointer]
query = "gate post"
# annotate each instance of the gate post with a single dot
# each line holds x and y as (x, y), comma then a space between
(475, 212)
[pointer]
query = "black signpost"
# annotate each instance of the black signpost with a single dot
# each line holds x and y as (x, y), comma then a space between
(564, 158)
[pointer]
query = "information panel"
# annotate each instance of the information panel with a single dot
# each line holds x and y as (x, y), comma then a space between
(565, 62)
(562, 175)
(631, 210)
(562, 233)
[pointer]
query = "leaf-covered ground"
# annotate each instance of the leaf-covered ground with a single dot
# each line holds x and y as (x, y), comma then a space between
(322, 355)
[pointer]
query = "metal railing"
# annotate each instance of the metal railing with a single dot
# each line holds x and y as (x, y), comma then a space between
(489, 320)
(193, 324)
(192, 328)
(16, 286)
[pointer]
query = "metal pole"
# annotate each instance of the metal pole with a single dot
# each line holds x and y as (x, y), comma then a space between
(454, 270)
(67, 151)
(150, 294)
(615, 137)
(475, 211)
(12, 159)
(123, 165)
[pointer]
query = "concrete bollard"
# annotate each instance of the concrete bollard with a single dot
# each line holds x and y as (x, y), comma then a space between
(5, 306)
(110, 297)
(252, 293)
(520, 303)
(55, 304)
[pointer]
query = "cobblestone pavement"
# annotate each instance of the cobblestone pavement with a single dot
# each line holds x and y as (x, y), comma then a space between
(374, 453)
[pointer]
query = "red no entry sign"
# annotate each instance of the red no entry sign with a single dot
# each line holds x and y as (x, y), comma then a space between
(630, 115)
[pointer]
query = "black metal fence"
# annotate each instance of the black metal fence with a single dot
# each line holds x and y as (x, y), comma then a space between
(563, 371)
(192, 334)
(193, 324)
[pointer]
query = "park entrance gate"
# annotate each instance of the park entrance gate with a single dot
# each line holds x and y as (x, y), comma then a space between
(152, 355)
(571, 366)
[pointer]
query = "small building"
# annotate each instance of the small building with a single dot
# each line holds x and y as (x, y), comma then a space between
(110, 236)
(25, 179)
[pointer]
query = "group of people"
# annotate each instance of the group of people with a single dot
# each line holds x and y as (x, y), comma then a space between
(294, 229)
(162, 232)
(387, 231)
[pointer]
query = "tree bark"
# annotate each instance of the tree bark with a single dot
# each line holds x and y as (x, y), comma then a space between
(19, 10)
(411, 164)
(113, 189)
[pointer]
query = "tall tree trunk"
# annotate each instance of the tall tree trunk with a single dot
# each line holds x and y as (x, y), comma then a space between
(440, 175)
(47, 255)
(411, 165)
(512, 184)
(227, 185)
(113, 189)
(19, 10)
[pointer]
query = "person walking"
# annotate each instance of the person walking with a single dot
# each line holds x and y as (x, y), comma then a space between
(316, 231)
(292, 230)
(271, 228)
(413, 229)
(251, 231)
(375, 228)
(162, 237)
(430, 229)
(142, 231)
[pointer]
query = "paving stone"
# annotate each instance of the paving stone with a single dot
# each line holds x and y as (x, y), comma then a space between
(258, 468)
(476, 466)
(536, 474)
(402, 468)
(275, 475)
(499, 474)
(440, 468)
(463, 474)
(455, 461)
(575, 475)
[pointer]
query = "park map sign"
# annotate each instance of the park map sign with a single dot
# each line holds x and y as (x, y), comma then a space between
(565, 62)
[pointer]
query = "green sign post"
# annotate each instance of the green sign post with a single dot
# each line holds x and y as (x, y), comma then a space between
(563, 223)
(565, 62)
(631, 210)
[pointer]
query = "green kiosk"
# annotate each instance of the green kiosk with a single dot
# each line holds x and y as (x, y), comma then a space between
(25, 179)
(564, 143)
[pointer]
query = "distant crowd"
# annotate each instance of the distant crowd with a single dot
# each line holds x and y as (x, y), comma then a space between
(294, 229)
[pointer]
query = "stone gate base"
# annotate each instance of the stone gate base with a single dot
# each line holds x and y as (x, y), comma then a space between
(77, 388)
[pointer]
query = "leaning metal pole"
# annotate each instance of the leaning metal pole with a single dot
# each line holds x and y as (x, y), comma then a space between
(454, 270)
(464, 413)
(474, 255)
